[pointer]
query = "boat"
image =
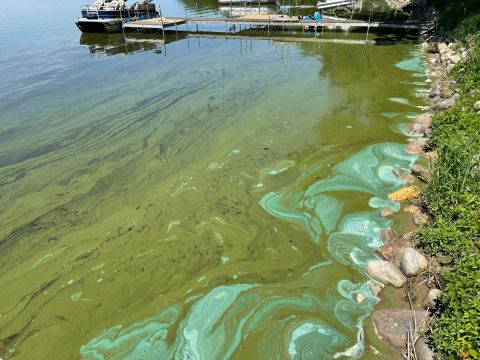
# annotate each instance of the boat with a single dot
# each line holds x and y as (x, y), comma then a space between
(107, 15)
(329, 4)
(246, 2)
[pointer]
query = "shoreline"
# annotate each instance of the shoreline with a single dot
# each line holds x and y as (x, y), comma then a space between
(407, 307)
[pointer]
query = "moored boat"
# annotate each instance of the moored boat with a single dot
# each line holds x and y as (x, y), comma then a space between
(108, 15)
(328, 4)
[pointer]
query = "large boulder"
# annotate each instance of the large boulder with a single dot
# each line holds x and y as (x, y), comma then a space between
(393, 325)
(386, 273)
(412, 262)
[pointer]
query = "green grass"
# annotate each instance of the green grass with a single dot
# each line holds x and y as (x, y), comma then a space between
(452, 200)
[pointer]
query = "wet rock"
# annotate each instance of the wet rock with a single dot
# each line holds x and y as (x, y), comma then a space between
(404, 176)
(445, 104)
(419, 218)
(414, 128)
(393, 325)
(411, 209)
(407, 193)
(386, 235)
(375, 287)
(386, 273)
(423, 351)
(431, 299)
(393, 251)
(425, 119)
(421, 172)
(435, 90)
(429, 47)
(412, 262)
(415, 146)
(386, 212)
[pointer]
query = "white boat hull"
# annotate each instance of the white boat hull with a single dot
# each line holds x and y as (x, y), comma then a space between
(334, 3)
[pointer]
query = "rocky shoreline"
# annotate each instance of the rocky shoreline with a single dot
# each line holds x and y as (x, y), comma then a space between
(401, 264)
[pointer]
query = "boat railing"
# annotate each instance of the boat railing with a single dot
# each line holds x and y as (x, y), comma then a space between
(131, 13)
(89, 11)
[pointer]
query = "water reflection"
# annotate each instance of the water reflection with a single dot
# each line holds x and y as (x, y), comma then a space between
(107, 45)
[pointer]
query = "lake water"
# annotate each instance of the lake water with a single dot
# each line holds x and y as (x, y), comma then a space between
(211, 199)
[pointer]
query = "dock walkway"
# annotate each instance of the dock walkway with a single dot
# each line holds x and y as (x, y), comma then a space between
(272, 21)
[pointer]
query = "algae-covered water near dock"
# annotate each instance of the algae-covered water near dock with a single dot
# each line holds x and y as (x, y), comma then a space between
(219, 202)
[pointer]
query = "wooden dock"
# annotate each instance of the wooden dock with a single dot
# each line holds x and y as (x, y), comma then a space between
(158, 23)
(272, 21)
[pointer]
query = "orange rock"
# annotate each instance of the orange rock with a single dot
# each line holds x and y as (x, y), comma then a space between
(408, 193)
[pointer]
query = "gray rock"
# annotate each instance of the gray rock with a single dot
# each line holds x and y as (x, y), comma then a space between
(393, 325)
(445, 104)
(421, 172)
(435, 90)
(431, 299)
(423, 351)
(404, 176)
(386, 273)
(412, 262)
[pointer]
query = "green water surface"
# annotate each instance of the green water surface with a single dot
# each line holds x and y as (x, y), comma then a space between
(219, 202)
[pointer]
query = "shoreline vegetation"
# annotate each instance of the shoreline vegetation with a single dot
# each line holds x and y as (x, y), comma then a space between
(438, 316)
